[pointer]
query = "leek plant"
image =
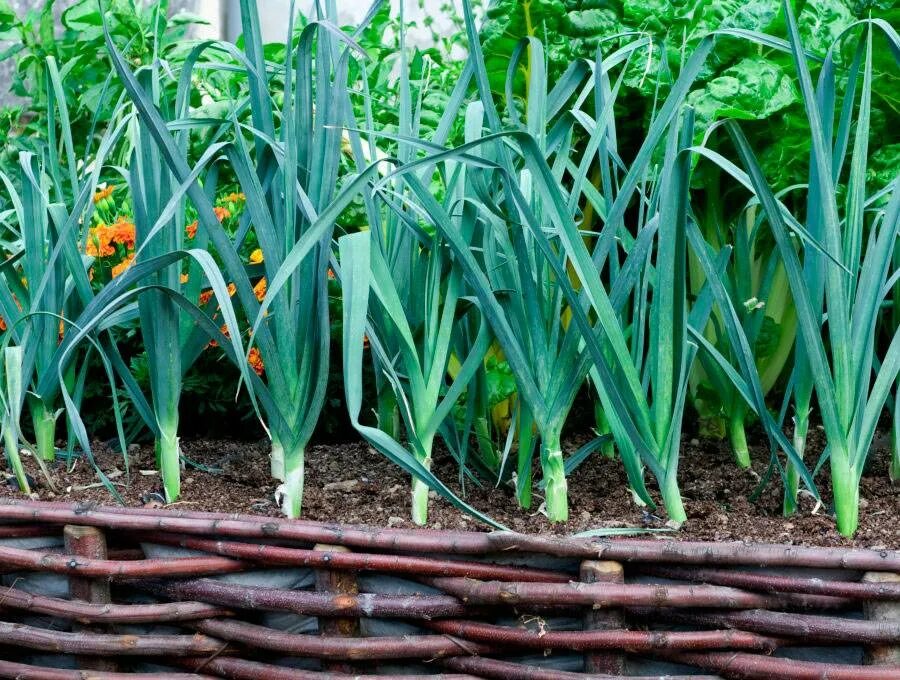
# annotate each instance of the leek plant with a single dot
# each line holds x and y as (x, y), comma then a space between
(642, 355)
(172, 339)
(516, 284)
(151, 186)
(35, 298)
(45, 282)
(13, 395)
(854, 271)
(40, 292)
(417, 338)
(416, 312)
(288, 185)
(893, 321)
(289, 176)
(527, 244)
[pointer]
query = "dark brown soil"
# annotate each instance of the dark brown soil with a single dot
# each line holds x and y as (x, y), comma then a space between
(352, 483)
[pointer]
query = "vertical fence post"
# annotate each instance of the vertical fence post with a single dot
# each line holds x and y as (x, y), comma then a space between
(88, 542)
(882, 655)
(596, 571)
(338, 583)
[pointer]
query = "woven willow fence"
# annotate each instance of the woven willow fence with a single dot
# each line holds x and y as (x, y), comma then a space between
(97, 592)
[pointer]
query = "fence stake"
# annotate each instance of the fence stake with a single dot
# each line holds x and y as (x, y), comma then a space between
(338, 583)
(603, 571)
(882, 655)
(90, 543)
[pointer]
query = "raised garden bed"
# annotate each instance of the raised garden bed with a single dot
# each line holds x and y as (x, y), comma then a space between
(162, 592)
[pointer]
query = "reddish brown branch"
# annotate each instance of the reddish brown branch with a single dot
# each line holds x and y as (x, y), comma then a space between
(33, 560)
(609, 595)
(386, 564)
(585, 640)
(308, 602)
(387, 647)
(83, 612)
(804, 627)
(88, 643)
(247, 526)
(757, 667)
(773, 583)
(695, 552)
(449, 542)
(503, 670)
(21, 671)
(240, 669)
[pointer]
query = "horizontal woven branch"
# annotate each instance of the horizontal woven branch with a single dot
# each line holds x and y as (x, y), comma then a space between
(447, 542)
(325, 647)
(45, 561)
(771, 583)
(503, 670)
(584, 640)
(30, 637)
(12, 598)
(386, 564)
(605, 595)
(21, 671)
(758, 667)
(311, 603)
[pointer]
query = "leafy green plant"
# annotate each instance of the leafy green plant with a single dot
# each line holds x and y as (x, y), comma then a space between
(420, 336)
(289, 187)
(143, 32)
(13, 395)
(758, 287)
(743, 79)
(520, 275)
(45, 281)
(844, 281)
(417, 310)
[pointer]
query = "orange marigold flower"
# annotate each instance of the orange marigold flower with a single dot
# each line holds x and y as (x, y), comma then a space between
(2, 324)
(122, 232)
(255, 361)
(120, 268)
(205, 296)
(215, 343)
(232, 289)
(103, 193)
(331, 273)
(222, 213)
(234, 198)
(256, 256)
(260, 289)
(191, 229)
(184, 278)
(99, 243)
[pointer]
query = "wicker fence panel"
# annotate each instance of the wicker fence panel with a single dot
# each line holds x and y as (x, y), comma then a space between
(97, 592)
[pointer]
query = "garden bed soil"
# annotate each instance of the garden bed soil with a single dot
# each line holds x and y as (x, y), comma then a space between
(352, 483)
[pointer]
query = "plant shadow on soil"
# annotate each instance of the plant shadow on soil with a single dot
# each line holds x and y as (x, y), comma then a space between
(352, 483)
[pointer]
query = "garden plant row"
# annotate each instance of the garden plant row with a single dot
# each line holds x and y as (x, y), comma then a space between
(475, 248)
